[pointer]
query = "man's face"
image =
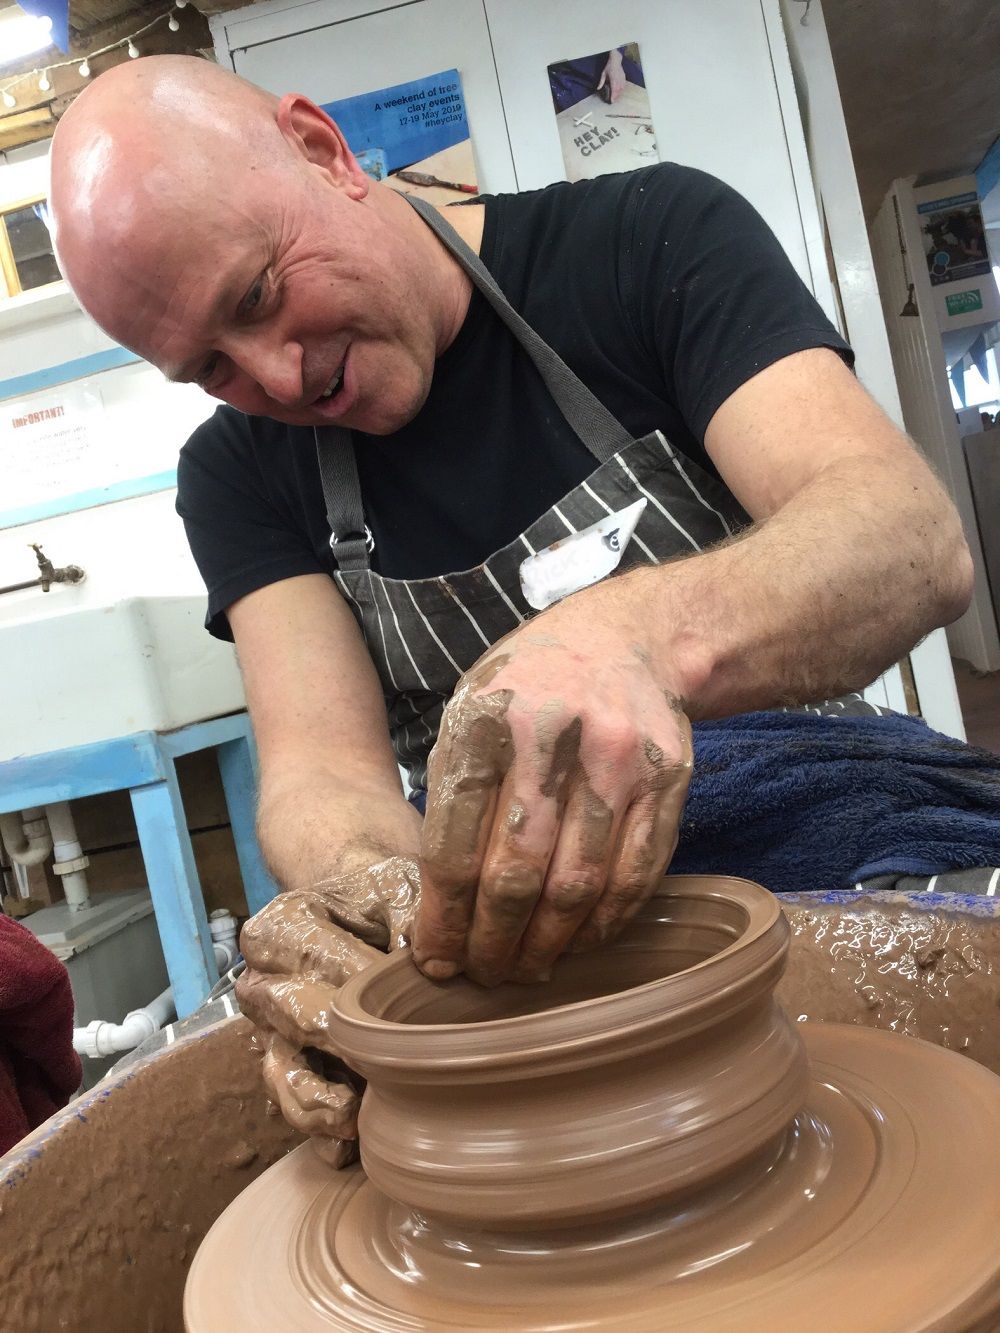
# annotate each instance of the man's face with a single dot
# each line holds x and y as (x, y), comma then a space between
(285, 295)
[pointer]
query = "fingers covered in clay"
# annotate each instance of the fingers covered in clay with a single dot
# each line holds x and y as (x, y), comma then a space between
(465, 770)
(554, 798)
(331, 928)
(290, 1013)
(647, 840)
(511, 882)
(550, 849)
(310, 1103)
(297, 1008)
(377, 903)
(574, 883)
(300, 949)
(609, 779)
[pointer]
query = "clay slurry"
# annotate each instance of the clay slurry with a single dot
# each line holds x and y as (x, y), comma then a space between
(651, 1154)
(921, 968)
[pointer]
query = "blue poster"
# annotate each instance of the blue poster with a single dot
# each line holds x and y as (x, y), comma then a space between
(419, 128)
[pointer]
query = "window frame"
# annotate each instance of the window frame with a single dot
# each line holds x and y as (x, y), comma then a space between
(8, 265)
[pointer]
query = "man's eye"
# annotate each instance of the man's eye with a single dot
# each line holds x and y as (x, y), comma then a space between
(254, 296)
(208, 369)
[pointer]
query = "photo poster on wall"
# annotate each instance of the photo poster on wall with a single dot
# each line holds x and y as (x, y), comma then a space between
(413, 136)
(954, 238)
(602, 111)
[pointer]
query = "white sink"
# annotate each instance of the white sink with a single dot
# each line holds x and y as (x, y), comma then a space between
(74, 671)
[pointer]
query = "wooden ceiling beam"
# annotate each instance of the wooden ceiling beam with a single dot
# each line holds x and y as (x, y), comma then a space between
(192, 35)
(26, 127)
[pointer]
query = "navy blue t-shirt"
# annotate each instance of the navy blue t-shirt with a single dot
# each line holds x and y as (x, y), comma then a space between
(662, 289)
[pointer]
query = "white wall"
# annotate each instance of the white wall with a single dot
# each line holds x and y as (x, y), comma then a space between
(24, 175)
(926, 397)
(125, 650)
(860, 303)
(131, 546)
(717, 76)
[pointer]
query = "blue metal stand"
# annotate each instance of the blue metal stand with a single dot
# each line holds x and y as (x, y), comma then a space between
(144, 764)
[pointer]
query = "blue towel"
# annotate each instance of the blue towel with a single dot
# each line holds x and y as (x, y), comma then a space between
(801, 802)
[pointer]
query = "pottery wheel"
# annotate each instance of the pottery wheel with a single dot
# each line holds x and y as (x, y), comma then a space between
(879, 1209)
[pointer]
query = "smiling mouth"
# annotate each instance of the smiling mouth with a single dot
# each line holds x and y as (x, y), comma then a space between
(334, 387)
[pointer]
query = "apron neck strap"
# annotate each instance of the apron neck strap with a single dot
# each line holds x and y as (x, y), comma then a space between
(598, 429)
(589, 419)
(350, 536)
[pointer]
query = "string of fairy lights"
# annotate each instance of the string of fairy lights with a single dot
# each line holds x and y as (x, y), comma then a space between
(83, 68)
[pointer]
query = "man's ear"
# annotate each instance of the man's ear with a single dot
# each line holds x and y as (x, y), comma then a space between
(314, 136)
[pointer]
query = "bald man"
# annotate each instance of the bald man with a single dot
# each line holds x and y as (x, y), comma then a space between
(446, 430)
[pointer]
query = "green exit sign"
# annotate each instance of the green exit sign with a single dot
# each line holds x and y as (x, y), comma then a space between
(961, 303)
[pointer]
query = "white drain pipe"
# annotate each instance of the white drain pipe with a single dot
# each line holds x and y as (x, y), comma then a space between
(34, 835)
(70, 861)
(222, 925)
(26, 836)
(100, 1038)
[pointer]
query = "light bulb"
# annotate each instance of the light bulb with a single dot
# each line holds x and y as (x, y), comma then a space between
(9, 99)
(172, 23)
(181, 4)
(43, 83)
(133, 51)
(84, 70)
(24, 34)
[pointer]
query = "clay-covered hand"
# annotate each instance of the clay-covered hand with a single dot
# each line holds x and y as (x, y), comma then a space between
(555, 792)
(299, 949)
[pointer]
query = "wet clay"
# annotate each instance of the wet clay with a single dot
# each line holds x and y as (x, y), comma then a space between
(472, 753)
(882, 961)
(300, 947)
(642, 1144)
(504, 896)
(103, 1206)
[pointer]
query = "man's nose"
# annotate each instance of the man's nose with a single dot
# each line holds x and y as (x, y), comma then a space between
(276, 367)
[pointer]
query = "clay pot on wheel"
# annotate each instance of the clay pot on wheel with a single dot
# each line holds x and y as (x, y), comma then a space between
(644, 1142)
(665, 1063)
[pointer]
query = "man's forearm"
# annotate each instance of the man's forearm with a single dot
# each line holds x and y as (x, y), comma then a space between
(820, 599)
(319, 826)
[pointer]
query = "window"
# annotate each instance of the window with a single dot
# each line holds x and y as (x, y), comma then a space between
(26, 258)
(979, 392)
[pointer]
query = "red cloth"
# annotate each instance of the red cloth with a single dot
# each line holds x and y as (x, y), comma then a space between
(39, 1070)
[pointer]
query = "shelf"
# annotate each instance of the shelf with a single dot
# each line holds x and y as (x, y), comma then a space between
(36, 306)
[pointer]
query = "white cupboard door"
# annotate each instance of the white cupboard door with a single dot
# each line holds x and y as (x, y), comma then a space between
(330, 49)
(710, 74)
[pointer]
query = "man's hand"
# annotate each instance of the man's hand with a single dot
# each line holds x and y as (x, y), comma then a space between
(612, 79)
(555, 792)
(299, 949)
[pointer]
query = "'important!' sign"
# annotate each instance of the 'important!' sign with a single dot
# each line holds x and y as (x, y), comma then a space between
(50, 444)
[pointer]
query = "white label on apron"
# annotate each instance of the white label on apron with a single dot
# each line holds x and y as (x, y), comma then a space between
(578, 560)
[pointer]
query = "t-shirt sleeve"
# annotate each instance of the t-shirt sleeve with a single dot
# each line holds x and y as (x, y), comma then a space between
(240, 535)
(714, 297)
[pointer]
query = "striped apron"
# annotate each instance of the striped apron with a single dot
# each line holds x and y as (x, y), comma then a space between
(422, 634)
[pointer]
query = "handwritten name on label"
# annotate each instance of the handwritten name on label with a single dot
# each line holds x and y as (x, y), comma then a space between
(578, 560)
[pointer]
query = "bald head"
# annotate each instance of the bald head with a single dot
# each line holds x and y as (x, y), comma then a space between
(144, 147)
(231, 238)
